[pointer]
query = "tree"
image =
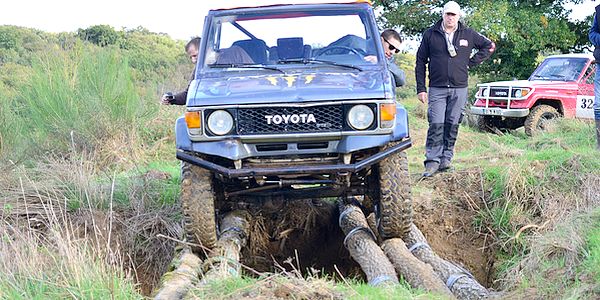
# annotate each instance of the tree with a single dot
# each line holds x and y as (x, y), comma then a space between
(522, 30)
(101, 35)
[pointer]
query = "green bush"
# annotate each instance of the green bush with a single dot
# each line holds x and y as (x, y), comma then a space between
(82, 96)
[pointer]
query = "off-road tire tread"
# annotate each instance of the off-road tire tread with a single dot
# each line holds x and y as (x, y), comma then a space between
(198, 205)
(534, 117)
(489, 124)
(395, 204)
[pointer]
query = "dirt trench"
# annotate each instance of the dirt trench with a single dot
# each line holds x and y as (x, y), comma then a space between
(445, 210)
(304, 235)
(307, 231)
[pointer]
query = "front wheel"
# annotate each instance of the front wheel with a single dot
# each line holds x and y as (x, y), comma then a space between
(198, 203)
(540, 118)
(394, 208)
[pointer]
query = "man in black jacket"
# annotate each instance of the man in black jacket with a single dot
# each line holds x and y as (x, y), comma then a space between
(191, 48)
(446, 48)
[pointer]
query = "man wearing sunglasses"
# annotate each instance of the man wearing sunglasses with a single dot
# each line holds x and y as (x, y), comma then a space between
(391, 41)
(445, 50)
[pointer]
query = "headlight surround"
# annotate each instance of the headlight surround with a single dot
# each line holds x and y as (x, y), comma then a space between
(360, 117)
(485, 92)
(520, 92)
(220, 122)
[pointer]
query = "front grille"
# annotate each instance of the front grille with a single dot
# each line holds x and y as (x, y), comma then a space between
(496, 92)
(275, 120)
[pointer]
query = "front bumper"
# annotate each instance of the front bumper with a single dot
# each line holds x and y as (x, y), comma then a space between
(293, 170)
(502, 112)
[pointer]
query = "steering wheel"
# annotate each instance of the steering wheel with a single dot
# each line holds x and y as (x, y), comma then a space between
(354, 51)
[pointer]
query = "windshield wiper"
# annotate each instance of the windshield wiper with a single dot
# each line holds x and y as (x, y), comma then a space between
(246, 66)
(559, 76)
(318, 61)
(540, 76)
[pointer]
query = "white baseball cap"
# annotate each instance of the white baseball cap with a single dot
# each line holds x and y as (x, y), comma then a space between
(451, 7)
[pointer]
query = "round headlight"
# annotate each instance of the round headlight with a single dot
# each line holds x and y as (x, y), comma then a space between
(485, 92)
(220, 122)
(360, 117)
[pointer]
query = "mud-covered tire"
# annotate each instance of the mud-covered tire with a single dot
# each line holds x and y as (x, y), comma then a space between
(394, 208)
(198, 205)
(489, 123)
(538, 119)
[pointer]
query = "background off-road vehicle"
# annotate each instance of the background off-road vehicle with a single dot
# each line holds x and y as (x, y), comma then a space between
(285, 106)
(562, 85)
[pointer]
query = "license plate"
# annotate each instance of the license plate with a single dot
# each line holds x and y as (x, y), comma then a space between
(492, 111)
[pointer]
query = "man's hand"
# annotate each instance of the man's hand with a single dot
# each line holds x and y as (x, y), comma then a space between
(371, 58)
(422, 97)
(166, 99)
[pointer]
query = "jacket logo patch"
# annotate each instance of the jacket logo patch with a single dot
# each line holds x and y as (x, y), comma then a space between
(463, 43)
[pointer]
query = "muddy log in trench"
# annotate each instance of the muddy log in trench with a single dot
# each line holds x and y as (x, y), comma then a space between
(177, 283)
(462, 284)
(361, 243)
(224, 260)
(417, 273)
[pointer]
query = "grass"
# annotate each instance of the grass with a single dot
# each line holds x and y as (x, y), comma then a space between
(60, 264)
(564, 261)
(84, 97)
(292, 286)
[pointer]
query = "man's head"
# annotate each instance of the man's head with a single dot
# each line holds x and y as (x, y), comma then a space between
(391, 41)
(451, 13)
(191, 48)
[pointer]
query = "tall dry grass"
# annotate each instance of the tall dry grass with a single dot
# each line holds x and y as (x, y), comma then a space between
(65, 235)
(44, 255)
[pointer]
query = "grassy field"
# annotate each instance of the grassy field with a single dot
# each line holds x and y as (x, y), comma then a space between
(88, 179)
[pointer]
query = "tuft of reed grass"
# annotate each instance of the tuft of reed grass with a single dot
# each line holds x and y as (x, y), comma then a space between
(81, 97)
(563, 262)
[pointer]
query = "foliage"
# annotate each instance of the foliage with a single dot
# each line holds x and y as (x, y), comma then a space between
(85, 95)
(20, 45)
(101, 35)
(522, 30)
(406, 62)
(58, 89)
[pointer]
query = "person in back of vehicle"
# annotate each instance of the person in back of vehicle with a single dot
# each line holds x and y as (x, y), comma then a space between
(594, 37)
(191, 48)
(446, 50)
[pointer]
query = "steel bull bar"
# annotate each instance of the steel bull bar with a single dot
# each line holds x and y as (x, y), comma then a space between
(294, 170)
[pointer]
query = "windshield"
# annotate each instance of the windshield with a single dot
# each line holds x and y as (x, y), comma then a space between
(560, 69)
(282, 38)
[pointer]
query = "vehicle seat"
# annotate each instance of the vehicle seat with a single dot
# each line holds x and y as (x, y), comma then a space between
(256, 49)
(290, 48)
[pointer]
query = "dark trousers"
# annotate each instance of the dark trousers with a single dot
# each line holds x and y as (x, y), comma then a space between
(446, 106)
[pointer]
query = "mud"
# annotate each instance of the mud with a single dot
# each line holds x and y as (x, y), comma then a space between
(445, 209)
(306, 231)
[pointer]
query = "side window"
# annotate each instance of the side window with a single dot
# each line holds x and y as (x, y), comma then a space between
(590, 74)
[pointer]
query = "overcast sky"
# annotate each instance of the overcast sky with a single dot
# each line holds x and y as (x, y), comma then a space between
(180, 19)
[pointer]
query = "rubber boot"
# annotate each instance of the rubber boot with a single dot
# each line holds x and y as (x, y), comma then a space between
(597, 134)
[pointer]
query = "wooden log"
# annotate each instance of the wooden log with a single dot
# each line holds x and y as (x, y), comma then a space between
(224, 260)
(417, 273)
(363, 248)
(177, 283)
(462, 284)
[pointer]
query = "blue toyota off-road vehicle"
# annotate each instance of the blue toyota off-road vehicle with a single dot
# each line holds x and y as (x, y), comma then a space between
(284, 105)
